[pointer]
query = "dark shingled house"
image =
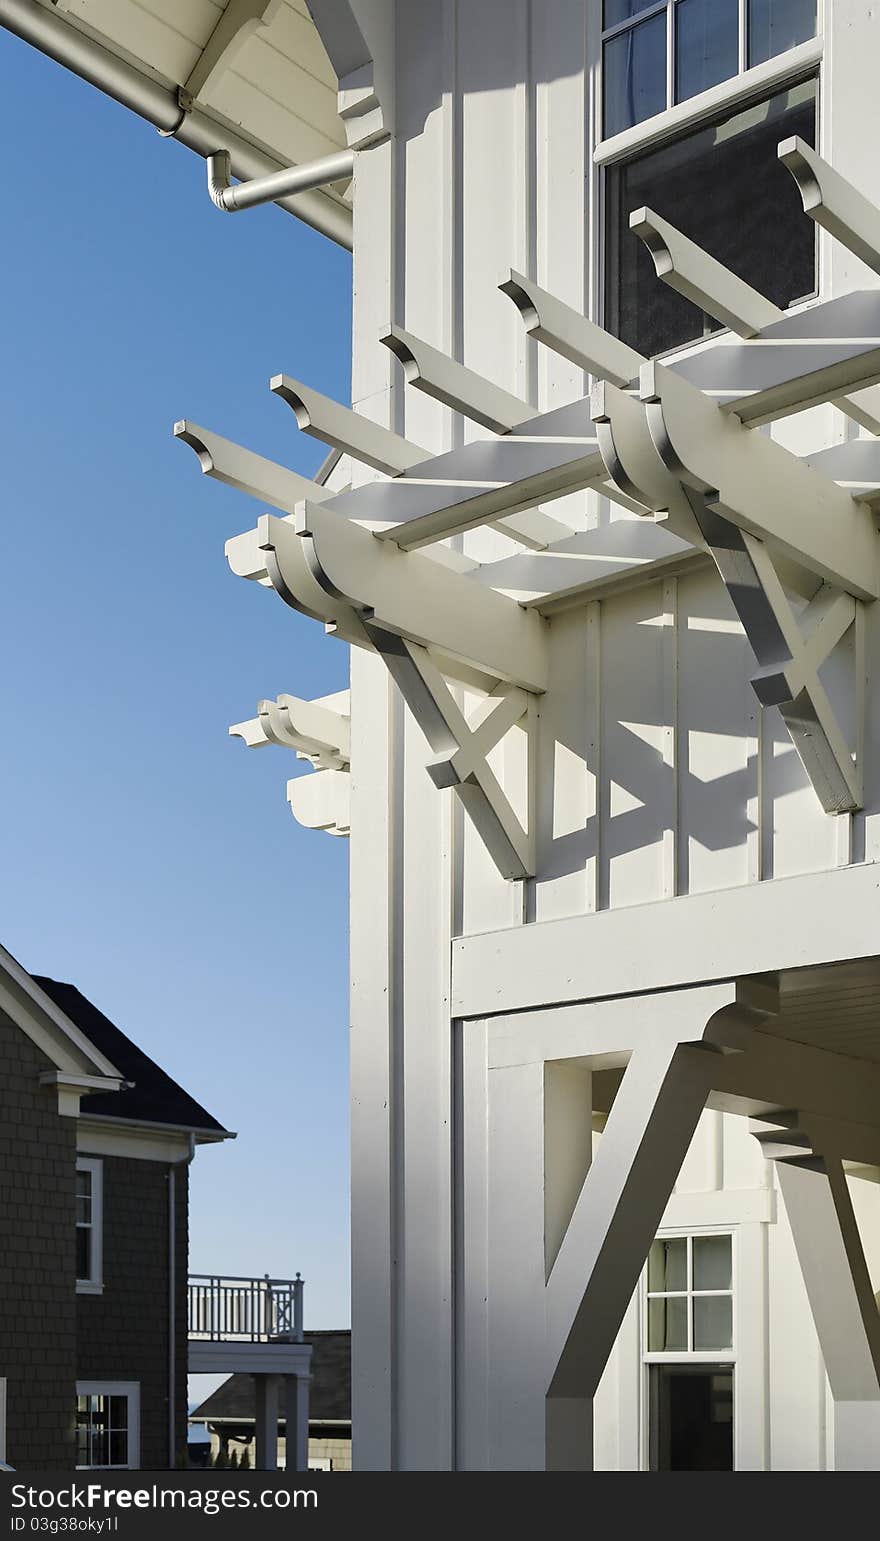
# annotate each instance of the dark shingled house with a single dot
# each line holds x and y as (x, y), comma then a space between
(95, 1145)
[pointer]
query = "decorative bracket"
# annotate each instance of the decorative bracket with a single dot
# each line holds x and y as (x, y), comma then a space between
(461, 749)
(319, 732)
(790, 651)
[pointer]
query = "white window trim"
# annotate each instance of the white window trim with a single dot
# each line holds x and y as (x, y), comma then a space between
(726, 1357)
(3, 1425)
(761, 79)
(131, 1389)
(95, 1284)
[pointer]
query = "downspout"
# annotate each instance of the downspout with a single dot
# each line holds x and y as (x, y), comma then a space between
(170, 111)
(186, 1162)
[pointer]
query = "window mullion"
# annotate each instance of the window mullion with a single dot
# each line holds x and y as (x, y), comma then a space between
(670, 53)
(743, 34)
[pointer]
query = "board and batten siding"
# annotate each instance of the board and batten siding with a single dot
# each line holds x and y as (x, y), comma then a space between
(658, 774)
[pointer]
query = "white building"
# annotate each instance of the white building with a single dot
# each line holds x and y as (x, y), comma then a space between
(610, 763)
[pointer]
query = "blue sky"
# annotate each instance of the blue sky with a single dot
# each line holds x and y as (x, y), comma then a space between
(146, 856)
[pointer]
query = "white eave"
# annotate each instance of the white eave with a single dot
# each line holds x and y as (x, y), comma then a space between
(273, 85)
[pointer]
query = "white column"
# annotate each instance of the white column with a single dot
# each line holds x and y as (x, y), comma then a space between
(266, 1454)
(838, 1287)
(296, 1418)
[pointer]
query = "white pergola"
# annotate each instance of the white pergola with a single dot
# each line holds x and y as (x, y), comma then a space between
(673, 444)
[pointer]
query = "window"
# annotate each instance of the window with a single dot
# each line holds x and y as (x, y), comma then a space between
(89, 1225)
(659, 52)
(107, 1423)
(722, 185)
(689, 1353)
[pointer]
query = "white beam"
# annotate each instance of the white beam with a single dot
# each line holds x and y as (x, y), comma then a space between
(239, 21)
(835, 1274)
(744, 476)
(451, 383)
(570, 334)
(346, 430)
(403, 593)
(248, 472)
(685, 267)
(645, 1140)
(797, 922)
(690, 271)
(834, 203)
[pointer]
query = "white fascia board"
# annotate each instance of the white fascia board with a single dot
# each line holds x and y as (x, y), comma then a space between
(214, 1357)
(149, 1128)
(98, 1137)
(798, 922)
(47, 1026)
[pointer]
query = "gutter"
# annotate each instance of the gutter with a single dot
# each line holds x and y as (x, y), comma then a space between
(168, 108)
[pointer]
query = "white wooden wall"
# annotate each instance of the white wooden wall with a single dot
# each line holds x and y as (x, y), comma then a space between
(657, 776)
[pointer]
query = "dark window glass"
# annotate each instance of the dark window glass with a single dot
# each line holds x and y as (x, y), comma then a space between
(706, 44)
(775, 25)
(691, 1417)
(634, 74)
(83, 1252)
(615, 11)
(724, 187)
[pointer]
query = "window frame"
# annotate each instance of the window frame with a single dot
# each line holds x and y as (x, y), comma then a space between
(131, 1390)
(691, 1355)
(94, 1284)
(673, 118)
(723, 1358)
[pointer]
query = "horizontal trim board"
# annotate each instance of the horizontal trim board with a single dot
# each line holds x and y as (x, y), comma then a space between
(799, 922)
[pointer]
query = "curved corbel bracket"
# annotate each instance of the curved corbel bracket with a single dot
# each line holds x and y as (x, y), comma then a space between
(570, 334)
(632, 461)
(833, 202)
(693, 273)
(447, 381)
(346, 430)
(411, 596)
(309, 728)
(759, 485)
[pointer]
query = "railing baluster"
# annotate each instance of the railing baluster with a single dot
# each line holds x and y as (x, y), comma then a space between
(231, 1309)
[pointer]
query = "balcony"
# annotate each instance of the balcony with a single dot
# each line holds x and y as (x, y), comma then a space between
(253, 1326)
(236, 1310)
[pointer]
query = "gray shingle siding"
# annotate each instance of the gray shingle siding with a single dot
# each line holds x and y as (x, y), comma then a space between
(122, 1334)
(37, 1259)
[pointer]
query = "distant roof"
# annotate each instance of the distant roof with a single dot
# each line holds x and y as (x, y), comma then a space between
(329, 1393)
(155, 1097)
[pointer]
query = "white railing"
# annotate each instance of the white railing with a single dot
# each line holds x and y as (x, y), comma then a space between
(236, 1310)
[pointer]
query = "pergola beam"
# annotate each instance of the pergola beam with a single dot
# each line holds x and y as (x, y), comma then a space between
(401, 592)
(241, 468)
(447, 381)
(832, 201)
(560, 327)
(677, 436)
(345, 430)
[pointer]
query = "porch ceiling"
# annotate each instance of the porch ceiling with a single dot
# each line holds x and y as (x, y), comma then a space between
(835, 1007)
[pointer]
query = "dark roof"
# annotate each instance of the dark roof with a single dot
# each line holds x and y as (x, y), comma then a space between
(329, 1393)
(155, 1098)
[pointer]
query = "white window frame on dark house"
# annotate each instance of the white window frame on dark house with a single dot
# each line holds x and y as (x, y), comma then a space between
(723, 1359)
(668, 11)
(129, 1390)
(93, 1284)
